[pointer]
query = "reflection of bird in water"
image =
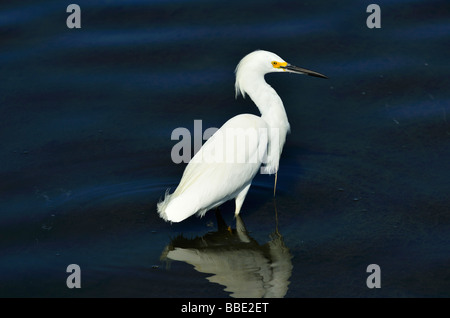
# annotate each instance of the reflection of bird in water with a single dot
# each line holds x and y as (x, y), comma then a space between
(237, 261)
(247, 141)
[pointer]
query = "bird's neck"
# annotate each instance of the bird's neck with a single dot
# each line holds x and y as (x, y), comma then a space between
(269, 104)
(274, 114)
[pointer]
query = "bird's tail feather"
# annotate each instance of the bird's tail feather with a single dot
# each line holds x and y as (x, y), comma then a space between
(162, 205)
(173, 209)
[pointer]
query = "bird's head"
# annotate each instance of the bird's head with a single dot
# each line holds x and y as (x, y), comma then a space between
(259, 63)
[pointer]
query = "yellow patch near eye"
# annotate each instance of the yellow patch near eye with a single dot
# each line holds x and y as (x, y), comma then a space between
(276, 64)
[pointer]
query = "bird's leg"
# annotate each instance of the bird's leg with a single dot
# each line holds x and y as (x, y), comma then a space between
(275, 186)
(221, 225)
(240, 199)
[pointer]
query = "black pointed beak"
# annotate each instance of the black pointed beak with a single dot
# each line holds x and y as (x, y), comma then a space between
(299, 70)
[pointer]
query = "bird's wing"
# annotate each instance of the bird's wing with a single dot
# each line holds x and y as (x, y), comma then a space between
(225, 164)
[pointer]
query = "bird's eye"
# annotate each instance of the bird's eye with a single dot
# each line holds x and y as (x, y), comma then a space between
(274, 63)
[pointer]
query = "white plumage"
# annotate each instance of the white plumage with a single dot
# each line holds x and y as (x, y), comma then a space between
(226, 164)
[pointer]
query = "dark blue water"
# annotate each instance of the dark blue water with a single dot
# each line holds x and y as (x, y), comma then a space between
(87, 115)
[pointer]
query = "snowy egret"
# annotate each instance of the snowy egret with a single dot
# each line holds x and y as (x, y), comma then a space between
(208, 183)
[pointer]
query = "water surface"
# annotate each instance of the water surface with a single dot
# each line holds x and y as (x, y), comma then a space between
(86, 120)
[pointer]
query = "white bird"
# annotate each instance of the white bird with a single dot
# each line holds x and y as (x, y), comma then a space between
(224, 167)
